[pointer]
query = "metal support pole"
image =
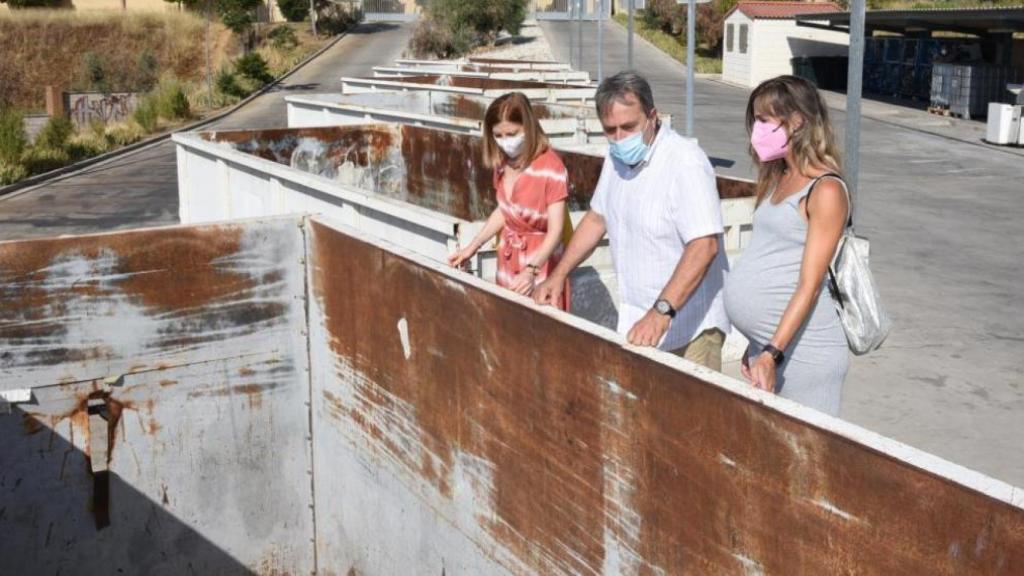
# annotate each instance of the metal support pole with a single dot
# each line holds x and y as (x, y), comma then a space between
(209, 66)
(629, 35)
(600, 41)
(572, 37)
(854, 76)
(579, 34)
(312, 15)
(691, 59)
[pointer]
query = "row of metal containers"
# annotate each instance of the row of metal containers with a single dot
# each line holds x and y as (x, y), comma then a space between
(406, 166)
(323, 395)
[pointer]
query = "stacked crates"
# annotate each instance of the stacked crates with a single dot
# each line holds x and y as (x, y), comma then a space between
(967, 89)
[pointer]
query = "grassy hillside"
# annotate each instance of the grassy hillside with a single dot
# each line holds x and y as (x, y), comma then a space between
(43, 48)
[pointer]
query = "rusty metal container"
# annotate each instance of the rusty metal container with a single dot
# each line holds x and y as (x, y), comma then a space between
(541, 91)
(563, 124)
(292, 396)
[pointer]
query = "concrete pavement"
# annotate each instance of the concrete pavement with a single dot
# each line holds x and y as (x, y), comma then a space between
(141, 188)
(943, 213)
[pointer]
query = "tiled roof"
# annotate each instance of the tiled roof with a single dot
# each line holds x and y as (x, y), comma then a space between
(782, 10)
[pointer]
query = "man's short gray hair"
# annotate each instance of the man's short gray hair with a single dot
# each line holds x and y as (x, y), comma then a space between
(615, 88)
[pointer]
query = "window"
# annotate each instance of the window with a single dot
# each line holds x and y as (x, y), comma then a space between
(729, 32)
(743, 38)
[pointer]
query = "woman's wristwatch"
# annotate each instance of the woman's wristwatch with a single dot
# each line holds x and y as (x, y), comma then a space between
(777, 356)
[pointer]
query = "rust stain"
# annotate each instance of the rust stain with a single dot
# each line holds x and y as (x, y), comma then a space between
(548, 433)
(245, 372)
(254, 392)
(166, 383)
(31, 424)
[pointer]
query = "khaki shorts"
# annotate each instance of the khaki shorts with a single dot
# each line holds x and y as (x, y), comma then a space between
(705, 349)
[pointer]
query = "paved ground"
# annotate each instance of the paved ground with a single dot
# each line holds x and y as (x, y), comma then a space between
(141, 188)
(943, 216)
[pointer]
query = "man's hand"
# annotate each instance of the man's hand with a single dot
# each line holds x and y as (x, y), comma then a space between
(549, 292)
(649, 329)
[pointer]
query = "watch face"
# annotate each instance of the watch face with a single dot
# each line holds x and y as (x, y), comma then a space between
(662, 307)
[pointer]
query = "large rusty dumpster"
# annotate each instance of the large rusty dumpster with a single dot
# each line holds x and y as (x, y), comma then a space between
(289, 396)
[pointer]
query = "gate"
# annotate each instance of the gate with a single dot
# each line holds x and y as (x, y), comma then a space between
(391, 10)
(567, 9)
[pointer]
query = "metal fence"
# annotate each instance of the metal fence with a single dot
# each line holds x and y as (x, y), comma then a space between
(391, 10)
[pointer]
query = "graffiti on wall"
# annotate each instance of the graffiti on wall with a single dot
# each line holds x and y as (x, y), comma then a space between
(86, 107)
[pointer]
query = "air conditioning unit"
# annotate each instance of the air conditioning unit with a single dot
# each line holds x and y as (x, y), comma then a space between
(1000, 128)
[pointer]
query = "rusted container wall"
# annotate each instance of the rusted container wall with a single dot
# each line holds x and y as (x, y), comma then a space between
(471, 70)
(537, 91)
(563, 124)
(460, 431)
(166, 431)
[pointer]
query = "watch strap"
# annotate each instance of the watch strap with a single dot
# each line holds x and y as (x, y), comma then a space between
(775, 353)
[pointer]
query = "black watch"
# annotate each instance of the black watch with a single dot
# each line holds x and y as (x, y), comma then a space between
(775, 353)
(663, 307)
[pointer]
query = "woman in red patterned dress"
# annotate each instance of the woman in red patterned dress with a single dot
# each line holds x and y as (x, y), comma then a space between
(531, 184)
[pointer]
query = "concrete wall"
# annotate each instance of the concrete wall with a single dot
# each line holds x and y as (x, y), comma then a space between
(288, 396)
(736, 66)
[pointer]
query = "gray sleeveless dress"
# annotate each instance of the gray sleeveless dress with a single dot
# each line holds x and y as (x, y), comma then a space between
(759, 288)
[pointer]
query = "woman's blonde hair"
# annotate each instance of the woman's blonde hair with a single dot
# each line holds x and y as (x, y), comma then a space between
(513, 107)
(812, 143)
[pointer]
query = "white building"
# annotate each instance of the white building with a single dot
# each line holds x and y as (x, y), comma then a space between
(762, 37)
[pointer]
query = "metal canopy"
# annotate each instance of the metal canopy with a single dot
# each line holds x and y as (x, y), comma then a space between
(975, 21)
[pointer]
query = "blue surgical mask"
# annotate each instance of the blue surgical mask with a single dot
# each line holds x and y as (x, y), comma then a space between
(630, 151)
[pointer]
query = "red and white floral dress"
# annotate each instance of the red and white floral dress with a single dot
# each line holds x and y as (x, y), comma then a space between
(544, 182)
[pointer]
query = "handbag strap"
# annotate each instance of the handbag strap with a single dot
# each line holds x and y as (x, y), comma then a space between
(833, 285)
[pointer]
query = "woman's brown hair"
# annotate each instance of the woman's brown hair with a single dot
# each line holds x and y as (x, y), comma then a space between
(513, 107)
(813, 143)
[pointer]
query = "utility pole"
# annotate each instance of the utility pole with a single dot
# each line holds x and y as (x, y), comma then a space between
(312, 16)
(854, 76)
(209, 66)
(629, 41)
(691, 59)
(600, 41)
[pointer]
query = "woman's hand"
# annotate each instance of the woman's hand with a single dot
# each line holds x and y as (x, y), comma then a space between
(458, 259)
(762, 373)
(524, 282)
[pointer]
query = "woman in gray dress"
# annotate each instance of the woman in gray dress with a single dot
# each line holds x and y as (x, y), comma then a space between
(777, 294)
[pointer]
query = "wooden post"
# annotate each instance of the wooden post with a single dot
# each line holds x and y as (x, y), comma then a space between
(55, 102)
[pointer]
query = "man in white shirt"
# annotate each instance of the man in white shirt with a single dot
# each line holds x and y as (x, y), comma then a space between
(658, 203)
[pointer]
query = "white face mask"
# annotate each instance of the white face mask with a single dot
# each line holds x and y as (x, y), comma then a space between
(512, 145)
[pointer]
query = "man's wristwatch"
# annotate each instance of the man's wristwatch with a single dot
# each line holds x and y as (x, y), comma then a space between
(775, 353)
(663, 307)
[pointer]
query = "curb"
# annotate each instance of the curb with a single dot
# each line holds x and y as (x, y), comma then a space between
(15, 189)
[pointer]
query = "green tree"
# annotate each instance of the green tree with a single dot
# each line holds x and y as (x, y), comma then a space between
(294, 10)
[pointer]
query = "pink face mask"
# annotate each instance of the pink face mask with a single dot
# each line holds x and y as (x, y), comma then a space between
(770, 141)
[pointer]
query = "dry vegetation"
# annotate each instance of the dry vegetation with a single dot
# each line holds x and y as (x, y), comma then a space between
(43, 48)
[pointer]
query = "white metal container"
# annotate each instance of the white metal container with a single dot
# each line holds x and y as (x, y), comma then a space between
(567, 94)
(1000, 127)
(564, 124)
(552, 76)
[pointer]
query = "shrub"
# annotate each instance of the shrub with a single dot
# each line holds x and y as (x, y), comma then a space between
(454, 27)
(237, 14)
(228, 85)
(11, 173)
(95, 73)
(124, 134)
(146, 114)
(32, 3)
(40, 159)
(55, 133)
(170, 99)
(12, 136)
(294, 10)
(86, 146)
(254, 67)
(334, 19)
(283, 38)
(148, 71)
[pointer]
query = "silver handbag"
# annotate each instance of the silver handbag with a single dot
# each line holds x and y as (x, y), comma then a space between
(854, 291)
